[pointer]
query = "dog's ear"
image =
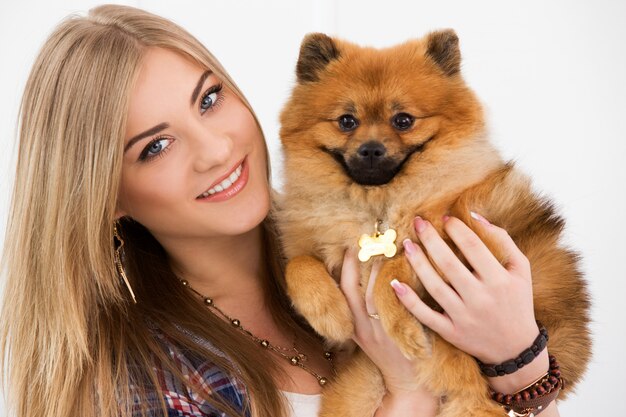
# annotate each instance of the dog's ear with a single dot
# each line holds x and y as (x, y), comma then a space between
(316, 51)
(443, 47)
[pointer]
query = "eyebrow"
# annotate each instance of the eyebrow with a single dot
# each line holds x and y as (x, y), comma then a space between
(396, 106)
(149, 132)
(196, 90)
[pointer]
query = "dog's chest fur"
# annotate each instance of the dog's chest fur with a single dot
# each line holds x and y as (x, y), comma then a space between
(324, 223)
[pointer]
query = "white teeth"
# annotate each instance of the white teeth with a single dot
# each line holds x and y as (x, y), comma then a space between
(225, 184)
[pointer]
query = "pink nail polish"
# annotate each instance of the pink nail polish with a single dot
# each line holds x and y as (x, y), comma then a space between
(408, 246)
(398, 287)
(420, 224)
(479, 218)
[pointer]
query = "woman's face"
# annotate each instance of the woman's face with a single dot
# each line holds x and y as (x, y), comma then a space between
(185, 134)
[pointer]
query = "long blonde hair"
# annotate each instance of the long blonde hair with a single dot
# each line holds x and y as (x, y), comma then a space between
(74, 341)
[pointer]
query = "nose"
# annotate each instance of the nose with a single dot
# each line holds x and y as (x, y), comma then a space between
(210, 148)
(371, 152)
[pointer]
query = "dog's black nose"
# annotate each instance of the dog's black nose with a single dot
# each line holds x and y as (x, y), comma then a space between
(371, 152)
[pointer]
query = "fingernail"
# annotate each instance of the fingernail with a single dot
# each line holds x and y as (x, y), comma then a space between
(479, 218)
(409, 247)
(420, 224)
(398, 287)
(445, 218)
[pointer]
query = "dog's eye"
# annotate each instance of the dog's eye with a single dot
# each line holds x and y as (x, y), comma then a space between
(348, 122)
(402, 121)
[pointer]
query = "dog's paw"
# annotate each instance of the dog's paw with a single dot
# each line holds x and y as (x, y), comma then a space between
(409, 335)
(330, 317)
(316, 296)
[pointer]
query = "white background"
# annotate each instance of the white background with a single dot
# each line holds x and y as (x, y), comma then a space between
(550, 74)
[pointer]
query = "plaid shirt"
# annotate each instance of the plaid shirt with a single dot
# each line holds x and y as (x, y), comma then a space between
(181, 401)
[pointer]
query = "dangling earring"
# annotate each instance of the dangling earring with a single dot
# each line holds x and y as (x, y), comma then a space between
(117, 245)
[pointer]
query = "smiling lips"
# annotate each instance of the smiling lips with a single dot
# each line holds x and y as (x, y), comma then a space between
(228, 185)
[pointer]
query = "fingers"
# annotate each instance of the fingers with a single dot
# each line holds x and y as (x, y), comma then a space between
(477, 254)
(369, 292)
(366, 328)
(441, 254)
(438, 322)
(434, 284)
(516, 260)
(349, 285)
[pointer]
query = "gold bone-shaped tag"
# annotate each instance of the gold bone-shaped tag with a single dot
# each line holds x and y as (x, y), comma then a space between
(378, 244)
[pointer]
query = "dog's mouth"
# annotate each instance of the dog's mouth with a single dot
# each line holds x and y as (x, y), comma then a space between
(370, 166)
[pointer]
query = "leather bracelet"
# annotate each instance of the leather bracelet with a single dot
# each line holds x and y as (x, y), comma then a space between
(524, 358)
(536, 397)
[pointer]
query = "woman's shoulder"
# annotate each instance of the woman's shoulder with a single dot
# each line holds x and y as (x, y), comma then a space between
(181, 399)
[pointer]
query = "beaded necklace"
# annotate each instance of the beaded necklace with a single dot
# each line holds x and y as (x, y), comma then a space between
(297, 359)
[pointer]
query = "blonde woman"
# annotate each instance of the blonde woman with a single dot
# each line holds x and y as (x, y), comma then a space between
(140, 282)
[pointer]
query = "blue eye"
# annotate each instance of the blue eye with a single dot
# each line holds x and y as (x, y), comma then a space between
(210, 98)
(208, 101)
(156, 147)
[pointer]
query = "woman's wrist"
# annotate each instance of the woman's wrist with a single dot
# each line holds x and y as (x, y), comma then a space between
(420, 403)
(508, 384)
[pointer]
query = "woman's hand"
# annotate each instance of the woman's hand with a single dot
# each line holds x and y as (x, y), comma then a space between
(405, 397)
(488, 312)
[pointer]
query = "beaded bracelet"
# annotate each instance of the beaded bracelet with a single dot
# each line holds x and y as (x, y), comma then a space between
(536, 397)
(524, 358)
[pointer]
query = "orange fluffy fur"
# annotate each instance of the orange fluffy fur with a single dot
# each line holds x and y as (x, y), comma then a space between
(323, 211)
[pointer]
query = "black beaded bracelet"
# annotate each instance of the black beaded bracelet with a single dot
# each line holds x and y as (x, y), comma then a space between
(524, 358)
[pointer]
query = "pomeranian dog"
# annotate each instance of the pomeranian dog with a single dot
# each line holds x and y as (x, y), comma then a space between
(377, 137)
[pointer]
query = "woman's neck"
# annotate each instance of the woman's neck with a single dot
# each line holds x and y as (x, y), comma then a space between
(229, 269)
